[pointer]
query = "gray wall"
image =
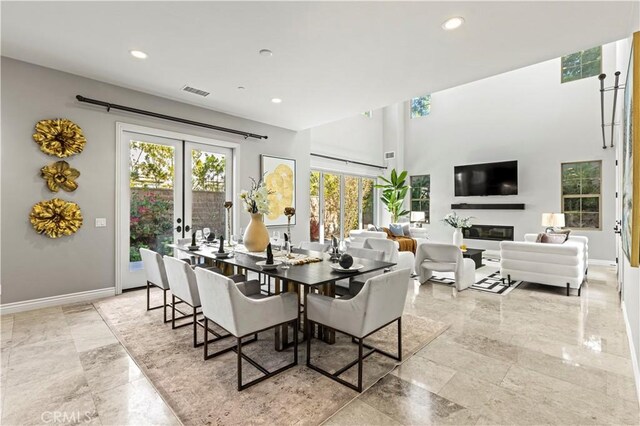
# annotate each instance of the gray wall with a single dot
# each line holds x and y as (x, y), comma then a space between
(34, 266)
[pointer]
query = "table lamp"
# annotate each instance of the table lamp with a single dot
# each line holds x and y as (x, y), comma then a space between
(418, 217)
(552, 221)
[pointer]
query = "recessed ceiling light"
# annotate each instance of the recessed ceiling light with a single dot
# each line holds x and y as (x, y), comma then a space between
(276, 100)
(138, 54)
(241, 87)
(453, 23)
(265, 52)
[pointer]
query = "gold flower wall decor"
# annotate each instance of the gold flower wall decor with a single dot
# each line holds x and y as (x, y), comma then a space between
(59, 137)
(60, 175)
(56, 217)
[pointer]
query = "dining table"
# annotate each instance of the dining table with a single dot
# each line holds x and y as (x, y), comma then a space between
(317, 276)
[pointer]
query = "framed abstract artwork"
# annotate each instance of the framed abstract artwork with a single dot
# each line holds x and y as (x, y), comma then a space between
(280, 177)
(631, 159)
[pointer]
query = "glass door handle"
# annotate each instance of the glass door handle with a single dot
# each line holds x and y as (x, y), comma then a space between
(178, 228)
(187, 228)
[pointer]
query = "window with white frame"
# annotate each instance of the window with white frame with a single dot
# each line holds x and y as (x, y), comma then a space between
(420, 106)
(339, 203)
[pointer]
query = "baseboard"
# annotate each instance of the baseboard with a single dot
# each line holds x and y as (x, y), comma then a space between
(632, 349)
(46, 302)
(601, 262)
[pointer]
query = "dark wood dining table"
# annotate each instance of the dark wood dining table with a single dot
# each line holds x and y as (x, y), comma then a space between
(317, 277)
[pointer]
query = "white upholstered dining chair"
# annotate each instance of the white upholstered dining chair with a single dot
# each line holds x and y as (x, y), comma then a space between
(243, 316)
(379, 304)
(356, 283)
(313, 246)
(156, 277)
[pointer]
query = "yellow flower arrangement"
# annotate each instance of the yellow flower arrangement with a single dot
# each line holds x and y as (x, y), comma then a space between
(59, 137)
(60, 175)
(56, 217)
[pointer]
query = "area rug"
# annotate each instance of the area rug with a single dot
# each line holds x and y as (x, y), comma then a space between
(492, 283)
(204, 392)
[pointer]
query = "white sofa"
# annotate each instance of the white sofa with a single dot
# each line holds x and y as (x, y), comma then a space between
(560, 265)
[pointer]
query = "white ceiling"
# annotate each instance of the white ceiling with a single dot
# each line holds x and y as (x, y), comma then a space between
(331, 60)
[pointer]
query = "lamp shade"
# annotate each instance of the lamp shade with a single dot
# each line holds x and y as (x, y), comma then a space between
(417, 217)
(555, 220)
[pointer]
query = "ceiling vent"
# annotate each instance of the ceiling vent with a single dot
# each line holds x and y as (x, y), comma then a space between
(390, 155)
(195, 91)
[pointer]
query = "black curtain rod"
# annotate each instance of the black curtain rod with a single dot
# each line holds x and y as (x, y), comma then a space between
(110, 106)
(348, 161)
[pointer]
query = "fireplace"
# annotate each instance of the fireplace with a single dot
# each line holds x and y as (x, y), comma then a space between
(489, 232)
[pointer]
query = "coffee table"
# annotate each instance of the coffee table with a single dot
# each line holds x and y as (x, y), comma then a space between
(475, 255)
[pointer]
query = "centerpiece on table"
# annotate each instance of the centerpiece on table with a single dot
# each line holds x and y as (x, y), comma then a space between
(458, 223)
(256, 236)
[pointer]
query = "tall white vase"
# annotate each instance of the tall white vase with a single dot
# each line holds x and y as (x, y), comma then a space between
(457, 237)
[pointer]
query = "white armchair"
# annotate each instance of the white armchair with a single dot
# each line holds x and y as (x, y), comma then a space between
(156, 277)
(444, 258)
(379, 304)
(241, 316)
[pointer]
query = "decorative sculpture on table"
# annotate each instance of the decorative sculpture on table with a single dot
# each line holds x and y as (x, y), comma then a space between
(56, 218)
(269, 255)
(59, 137)
(335, 255)
(193, 239)
(289, 212)
(228, 205)
(60, 175)
(346, 260)
(221, 248)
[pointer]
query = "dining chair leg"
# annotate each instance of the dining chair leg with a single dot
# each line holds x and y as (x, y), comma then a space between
(164, 303)
(148, 291)
(400, 339)
(360, 364)
(308, 325)
(206, 337)
(173, 312)
(295, 341)
(195, 329)
(239, 351)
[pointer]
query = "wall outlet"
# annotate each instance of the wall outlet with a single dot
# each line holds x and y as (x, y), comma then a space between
(101, 222)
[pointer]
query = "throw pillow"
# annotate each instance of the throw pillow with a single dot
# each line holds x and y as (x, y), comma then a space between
(396, 230)
(553, 238)
(405, 229)
(539, 237)
(371, 228)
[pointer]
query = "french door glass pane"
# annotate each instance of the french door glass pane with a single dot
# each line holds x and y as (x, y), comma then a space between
(151, 184)
(350, 204)
(367, 202)
(314, 220)
(208, 188)
(331, 206)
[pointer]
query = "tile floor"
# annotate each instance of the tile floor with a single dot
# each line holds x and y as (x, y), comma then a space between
(63, 365)
(534, 356)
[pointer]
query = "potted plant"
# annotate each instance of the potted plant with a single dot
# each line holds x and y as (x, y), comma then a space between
(394, 190)
(458, 223)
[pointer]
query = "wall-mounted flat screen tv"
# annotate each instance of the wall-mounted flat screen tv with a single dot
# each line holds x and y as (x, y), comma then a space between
(486, 179)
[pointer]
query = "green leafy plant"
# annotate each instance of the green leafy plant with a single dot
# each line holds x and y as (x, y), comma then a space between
(394, 191)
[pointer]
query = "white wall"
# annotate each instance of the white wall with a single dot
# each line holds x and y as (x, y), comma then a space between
(356, 138)
(524, 115)
(34, 266)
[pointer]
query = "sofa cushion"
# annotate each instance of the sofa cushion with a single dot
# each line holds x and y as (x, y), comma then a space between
(553, 238)
(396, 230)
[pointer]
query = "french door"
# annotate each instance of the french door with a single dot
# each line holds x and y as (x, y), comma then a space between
(170, 189)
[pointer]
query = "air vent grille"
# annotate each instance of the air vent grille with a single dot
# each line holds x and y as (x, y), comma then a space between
(195, 91)
(389, 155)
